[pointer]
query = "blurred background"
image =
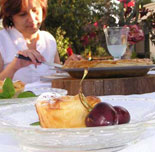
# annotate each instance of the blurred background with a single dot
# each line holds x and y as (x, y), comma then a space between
(78, 26)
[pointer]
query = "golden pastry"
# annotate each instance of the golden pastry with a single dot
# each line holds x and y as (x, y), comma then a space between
(107, 63)
(18, 86)
(64, 111)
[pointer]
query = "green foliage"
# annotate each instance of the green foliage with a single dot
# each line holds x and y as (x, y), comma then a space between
(77, 17)
(35, 123)
(8, 90)
(72, 16)
(134, 55)
(99, 51)
(26, 94)
(62, 43)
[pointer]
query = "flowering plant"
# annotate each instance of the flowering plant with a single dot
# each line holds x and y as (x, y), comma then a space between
(125, 13)
(135, 34)
(93, 40)
(131, 13)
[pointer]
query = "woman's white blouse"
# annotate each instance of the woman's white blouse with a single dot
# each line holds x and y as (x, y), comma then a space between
(11, 41)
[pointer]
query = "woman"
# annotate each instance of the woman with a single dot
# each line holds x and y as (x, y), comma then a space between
(21, 35)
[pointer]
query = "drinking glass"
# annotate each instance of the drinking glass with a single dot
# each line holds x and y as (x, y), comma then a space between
(116, 40)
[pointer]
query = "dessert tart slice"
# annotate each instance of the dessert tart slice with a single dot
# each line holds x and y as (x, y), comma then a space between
(108, 63)
(63, 112)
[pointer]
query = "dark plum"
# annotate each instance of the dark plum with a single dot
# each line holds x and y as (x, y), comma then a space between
(123, 114)
(103, 114)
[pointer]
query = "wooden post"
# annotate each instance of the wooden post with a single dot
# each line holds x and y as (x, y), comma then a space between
(108, 86)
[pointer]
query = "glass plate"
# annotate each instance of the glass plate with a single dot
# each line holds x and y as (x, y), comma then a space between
(4, 102)
(55, 76)
(110, 72)
(18, 117)
(40, 90)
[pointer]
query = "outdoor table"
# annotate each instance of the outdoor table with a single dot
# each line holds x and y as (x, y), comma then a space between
(8, 142)
(108, 86)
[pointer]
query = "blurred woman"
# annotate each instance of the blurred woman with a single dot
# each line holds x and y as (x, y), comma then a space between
(22, 20)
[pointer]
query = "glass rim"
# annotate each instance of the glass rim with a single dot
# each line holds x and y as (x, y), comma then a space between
(118, 27)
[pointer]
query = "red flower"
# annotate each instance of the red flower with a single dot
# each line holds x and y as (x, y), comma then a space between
(92, 35)
(96, 24)
(128, 3)
(135, 34)
(85, 40)
(69, 51)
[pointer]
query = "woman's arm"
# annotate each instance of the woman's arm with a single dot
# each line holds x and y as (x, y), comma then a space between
(74, 57)
(9, 71)
(57, 58)
(17, 64)
(71, 58)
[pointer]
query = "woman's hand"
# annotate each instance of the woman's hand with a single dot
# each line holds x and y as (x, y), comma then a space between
(32, 54)
(17, 63)
(74, 57)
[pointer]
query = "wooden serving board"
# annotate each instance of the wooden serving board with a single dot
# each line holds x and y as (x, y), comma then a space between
(108, 86)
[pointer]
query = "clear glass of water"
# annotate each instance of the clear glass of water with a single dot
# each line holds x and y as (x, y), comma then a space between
(116, 40)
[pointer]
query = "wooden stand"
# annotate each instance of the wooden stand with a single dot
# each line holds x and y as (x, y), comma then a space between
(108, 86)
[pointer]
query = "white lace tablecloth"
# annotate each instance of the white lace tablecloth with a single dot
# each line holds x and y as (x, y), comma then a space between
(9, 144)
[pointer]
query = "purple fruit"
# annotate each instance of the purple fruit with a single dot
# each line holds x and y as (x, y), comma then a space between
(103, 114)
(123, 114)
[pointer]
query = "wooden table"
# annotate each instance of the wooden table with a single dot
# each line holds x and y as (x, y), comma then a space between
(108, 86)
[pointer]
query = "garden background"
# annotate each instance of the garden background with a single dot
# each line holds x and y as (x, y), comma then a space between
(78, 25)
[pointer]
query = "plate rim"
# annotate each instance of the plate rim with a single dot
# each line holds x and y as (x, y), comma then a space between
(110, 68)
(33, 128)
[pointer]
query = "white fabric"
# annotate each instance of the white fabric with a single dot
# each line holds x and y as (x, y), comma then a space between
(8, 142)
(11, 41)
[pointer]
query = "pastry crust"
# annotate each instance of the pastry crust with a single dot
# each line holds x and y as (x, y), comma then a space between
(63, 112)
(107, 63)
(18, 85)
(138, 62)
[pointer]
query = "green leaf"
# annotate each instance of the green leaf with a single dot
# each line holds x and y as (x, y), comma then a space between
(8, 90)
(26, 94)
(35, 124)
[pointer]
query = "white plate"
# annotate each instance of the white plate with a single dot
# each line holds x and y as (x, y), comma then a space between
(8, 143)
(55, 76)
(9, 148)
(111, 72)
(42, 87)
(40, 90)
(17, 119)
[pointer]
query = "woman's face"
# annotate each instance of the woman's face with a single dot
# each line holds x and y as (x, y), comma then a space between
(29, 19)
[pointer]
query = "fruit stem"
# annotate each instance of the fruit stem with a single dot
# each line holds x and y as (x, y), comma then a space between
(81, 95)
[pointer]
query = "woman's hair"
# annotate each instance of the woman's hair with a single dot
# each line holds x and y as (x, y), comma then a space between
(10, 8)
